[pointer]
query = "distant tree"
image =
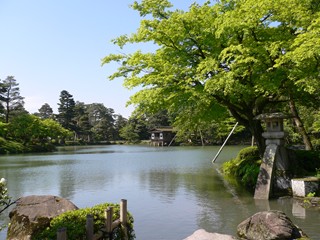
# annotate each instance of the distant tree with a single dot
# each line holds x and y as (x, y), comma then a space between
(45, 111)
(160, 118)
(139, 125)
(66, 110)
(3, 129)
(13, 102)
(101, 119)
(83, 126)
(32, 130)
(2, 97)
(119, 123)
(52, 130)
(129, 133)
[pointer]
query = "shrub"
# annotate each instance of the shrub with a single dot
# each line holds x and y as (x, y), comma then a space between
(10, 146)
(75, 223)
(245, 167)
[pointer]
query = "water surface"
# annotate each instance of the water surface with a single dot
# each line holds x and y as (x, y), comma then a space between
(171, 191)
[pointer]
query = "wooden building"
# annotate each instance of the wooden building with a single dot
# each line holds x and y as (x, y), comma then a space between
(162, 136)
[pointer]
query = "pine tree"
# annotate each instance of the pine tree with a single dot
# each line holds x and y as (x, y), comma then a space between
(45, 112)
(66, 110)
(10, 95)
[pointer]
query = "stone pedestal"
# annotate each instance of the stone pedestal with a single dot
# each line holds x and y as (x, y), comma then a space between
(301, 187)
(272, 175)
(264, 182)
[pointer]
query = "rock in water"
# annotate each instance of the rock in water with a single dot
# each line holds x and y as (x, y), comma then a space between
(34, 213)
(269, 225)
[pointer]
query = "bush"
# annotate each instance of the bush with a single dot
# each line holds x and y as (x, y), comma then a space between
(245, 167)
(10, 146)
(75, 223)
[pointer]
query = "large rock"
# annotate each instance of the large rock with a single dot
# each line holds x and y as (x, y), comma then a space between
(269, 225)
(202, 234)
(33, 213)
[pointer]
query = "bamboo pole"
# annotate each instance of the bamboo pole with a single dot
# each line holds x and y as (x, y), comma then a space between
(215, 158)
(172, 140)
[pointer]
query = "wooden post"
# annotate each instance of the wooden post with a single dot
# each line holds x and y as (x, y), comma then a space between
(123, 211)
(89, 227)
(108, 216)
(123, 217)
(62, 234)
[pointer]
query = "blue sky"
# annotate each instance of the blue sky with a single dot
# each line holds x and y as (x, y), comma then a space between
(55, 45)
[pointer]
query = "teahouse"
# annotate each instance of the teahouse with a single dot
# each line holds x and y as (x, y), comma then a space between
(162, 136)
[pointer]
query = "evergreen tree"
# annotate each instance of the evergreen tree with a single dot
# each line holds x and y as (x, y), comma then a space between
(2, 98)
(119, 123)
(102, 121)
(83, 127)
(10, 95)
(66, 110)
(45, 112)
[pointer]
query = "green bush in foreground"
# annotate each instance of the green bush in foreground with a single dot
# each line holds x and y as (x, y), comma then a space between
(75, 223)
(245, 167)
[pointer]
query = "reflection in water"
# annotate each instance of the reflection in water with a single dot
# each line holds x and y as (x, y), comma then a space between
(164, 182)
(262, 204)
(66, 175)
(171, 191)
(297, 210)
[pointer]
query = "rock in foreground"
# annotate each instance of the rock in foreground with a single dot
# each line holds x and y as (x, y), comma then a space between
(269, 225)
(201, 234)
(33, 213)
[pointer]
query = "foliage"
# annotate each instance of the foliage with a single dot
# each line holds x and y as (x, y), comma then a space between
(66, 110)
(244, 167)
(5, 199)
(102, 121)
(32, 131)
(119, 123)
(7, 146)
(242, 56)
(45, 111)
(11, 97)
(129, 133)
(311, 194)
(75, 222)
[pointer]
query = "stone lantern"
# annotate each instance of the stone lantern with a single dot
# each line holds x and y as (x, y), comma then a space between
(272, 177)
(274, 133)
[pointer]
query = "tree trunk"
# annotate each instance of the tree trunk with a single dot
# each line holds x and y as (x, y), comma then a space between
(299, 125)
(201, 137)
(256, 131)
(254, 127)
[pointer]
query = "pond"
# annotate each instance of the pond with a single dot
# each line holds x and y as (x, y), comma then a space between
(171, 191)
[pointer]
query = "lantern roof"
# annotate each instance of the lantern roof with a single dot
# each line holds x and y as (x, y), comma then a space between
(275, 115)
